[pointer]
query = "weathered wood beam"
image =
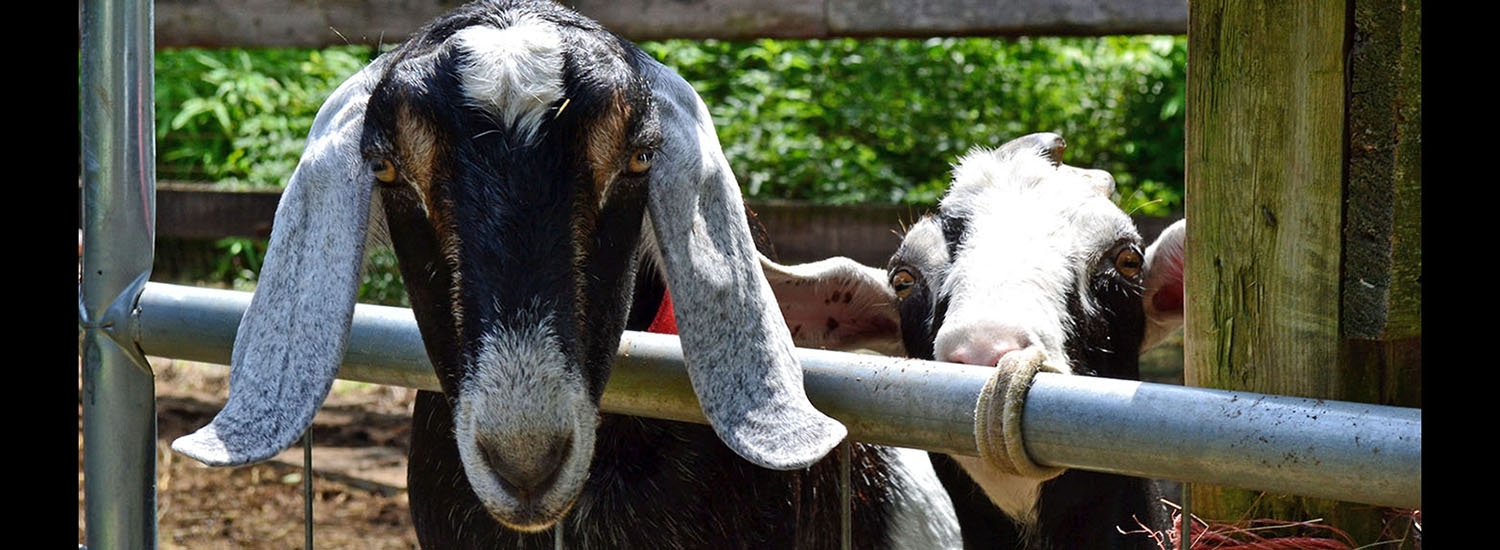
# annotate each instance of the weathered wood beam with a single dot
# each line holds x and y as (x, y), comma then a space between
(1303, 184)
(800, 231)
(320, 23)
(1382, 300)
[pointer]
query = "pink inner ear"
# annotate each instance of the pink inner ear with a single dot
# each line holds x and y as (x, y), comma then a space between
(1169, 297)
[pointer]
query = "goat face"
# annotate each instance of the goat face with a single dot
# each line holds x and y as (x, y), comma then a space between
(1025, 251)
(525, 160)
(513, 216)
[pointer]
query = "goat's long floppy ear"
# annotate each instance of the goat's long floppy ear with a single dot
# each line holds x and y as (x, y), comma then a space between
(291, 340)
(1164, 284)
(837, 303)
(735, 342)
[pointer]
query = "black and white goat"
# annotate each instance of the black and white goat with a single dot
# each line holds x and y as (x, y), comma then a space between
(1024, 252)
(544, 183)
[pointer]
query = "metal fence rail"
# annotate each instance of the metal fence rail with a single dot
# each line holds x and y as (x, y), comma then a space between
(1354, 452)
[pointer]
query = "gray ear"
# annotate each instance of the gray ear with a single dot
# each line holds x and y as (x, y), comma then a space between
(290, 343)
(837, 303)
(1164, 284)
(734, 340)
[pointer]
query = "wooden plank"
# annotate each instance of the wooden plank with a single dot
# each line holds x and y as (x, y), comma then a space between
(321, 23)
(1264, 172)
(990, 18)
(1383, 235)
(191, 212)
(725, 19)
(1288, 223)
(804, 232)
(1264, 177)
(800, 231)
(1382, 299)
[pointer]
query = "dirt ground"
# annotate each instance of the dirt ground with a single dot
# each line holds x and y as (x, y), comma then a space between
(359, 485)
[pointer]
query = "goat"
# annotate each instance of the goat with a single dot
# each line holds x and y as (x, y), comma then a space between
(545, 184)
(1024, 252)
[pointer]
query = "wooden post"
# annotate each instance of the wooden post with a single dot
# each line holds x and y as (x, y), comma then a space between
(1303, 195)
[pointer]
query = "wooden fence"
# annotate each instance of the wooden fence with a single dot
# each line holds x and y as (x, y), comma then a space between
(306, 23)
(799, 231)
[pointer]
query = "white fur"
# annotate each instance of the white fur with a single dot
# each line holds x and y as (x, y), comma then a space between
(1013, 270)
(1032, 228)
(923, 511)
(515, 73)
(1016, 495)
(1031, 224)
(520, 393)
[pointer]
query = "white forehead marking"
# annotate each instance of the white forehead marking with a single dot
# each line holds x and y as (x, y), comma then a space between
(514, 73)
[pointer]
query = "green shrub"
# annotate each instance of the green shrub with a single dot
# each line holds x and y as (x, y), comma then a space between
(831, 121)
(882, 120)
(241, 117)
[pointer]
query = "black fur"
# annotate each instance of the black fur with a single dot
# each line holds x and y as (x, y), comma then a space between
(654, 484)
(982, 523)
(523, 209)
(1078, 509)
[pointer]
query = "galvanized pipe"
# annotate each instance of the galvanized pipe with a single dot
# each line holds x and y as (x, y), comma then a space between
(119, 401)
(1310, 447)
(1348, 451)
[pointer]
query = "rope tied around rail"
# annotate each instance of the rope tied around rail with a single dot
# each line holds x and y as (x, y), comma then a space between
(997, 415)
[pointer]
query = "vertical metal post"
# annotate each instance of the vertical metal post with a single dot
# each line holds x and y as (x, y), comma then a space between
(1187, 518)
(307, 491)
(846, 499)
(119, 178)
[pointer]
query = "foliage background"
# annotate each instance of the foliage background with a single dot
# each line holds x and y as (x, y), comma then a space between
(830, 121)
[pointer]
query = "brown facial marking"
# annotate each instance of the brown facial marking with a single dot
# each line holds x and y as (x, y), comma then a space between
(583, 221)
(606, 142)
(417, 147)
(603, 150)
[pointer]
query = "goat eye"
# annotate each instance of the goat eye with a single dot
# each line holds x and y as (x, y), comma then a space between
(902, 281)
(383, 170)
(640, 163)
(1128, 263)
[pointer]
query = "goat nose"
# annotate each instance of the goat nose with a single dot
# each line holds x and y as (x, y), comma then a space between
(528, 474)
(982, 353)
(982, 346)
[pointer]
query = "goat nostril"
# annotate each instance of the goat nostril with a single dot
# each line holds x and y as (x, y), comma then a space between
(527, 474)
